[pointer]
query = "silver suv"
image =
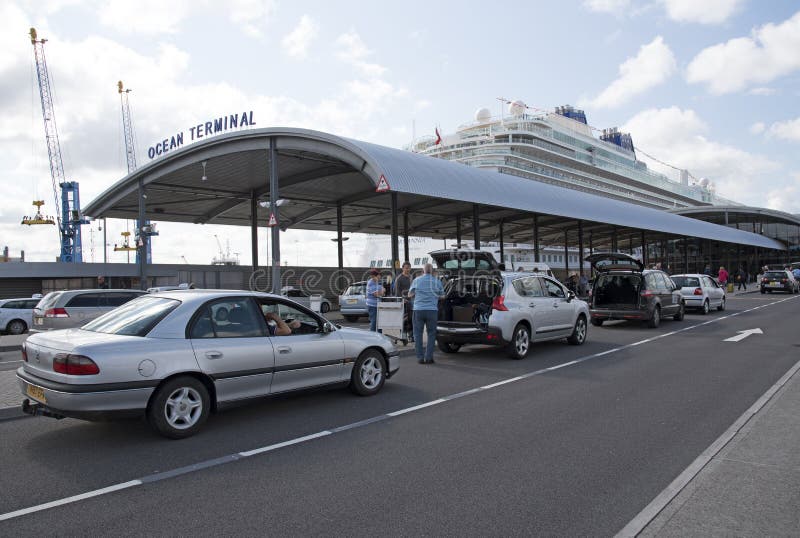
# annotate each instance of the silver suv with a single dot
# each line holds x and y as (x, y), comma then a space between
(483, 305)
(74, 308)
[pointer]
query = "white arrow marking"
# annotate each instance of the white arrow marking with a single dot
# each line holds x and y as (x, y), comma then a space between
(743, 334)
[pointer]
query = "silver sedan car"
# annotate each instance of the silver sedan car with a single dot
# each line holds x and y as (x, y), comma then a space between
(175, 357)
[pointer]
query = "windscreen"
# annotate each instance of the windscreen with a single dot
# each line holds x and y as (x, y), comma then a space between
(355, 289)
(775, 274)
(135, 318)
(686, 281)
(48, 300)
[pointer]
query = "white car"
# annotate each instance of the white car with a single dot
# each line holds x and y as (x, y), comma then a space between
(16, 315)
(700, 292)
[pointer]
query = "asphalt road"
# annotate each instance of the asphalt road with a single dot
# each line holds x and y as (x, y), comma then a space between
(577, 450)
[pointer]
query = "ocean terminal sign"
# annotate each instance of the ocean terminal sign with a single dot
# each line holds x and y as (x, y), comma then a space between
(202, 130)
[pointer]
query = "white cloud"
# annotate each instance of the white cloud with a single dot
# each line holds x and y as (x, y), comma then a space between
(770, 52)
(251, 15)
(607, 6)
(354, 51)
(85, 71)
(296, 42)
(148, 17)
(785, 198)
(679, 137)
(786, 130)
(758, 127)
(763, 91)
(654, 64)
(705, 12)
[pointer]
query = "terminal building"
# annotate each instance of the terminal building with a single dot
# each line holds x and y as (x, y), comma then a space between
(296, 178)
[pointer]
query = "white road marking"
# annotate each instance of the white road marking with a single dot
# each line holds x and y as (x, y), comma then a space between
(324, 433)
(68, 500)
(743, 334)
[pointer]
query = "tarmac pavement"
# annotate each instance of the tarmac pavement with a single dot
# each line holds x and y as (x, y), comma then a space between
(745, 484)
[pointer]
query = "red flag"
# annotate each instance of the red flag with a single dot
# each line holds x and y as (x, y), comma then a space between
(438, 138)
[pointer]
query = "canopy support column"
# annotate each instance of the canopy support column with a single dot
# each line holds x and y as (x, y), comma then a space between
(685, 254)
(406, 247)
(254, 229)
(645, 257)
(614, 244)
(476, 226)
(276, 229)
(566, 254)
(536, 238)
(580, 247)
(142, 238)
(339, 240)
(502, 257)
(458, 232)
(395, 241)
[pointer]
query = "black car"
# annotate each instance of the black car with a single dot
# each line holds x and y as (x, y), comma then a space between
(623, 289)
(781, 280)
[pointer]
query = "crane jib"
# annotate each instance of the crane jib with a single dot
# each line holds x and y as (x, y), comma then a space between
(202, 130)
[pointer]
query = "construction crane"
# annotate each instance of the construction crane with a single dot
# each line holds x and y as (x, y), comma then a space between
(69, 216)
(130, 154)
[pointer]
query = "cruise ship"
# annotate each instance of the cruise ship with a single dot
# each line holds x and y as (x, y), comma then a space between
(560, 148)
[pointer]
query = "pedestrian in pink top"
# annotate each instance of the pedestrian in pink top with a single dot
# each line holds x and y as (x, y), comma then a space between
(722, 276)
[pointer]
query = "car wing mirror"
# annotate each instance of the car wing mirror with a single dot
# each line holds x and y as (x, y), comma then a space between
(570, 295)
(327, 328)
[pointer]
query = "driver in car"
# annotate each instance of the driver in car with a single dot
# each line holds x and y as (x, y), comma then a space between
(280, 327)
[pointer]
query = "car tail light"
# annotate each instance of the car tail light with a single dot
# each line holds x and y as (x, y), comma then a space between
(56, 313)
(698, 291)
(784, 280)
(647, 293)
(24, 352)
(497, 303)
(69, 364)
(764, 280)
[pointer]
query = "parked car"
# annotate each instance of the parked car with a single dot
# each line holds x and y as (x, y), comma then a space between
(700, 292)
(782, 280)
(483, 305)
(299, 296)
(353, 302)
(73, 308)
(625, 290)
(177, 356)
(16, 315)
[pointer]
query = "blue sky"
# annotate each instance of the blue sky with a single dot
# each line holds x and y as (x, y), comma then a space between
(710, 86)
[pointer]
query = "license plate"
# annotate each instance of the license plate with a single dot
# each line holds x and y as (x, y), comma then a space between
(37, 393)
(774, 284)
(352, 301)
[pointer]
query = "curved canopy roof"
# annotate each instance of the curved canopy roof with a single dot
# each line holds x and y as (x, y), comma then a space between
(738, 214)
(319, 171)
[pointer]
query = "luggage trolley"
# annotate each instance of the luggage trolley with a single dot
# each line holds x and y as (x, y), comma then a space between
(390, 316)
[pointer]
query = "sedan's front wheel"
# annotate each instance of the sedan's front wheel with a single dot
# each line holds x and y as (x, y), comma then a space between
(681, 313)
(179, 407)
(369, 373)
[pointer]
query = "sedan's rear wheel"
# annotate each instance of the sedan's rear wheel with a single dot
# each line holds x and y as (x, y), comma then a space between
(179, 407)
(324, 308)
(448, 347)
(369, 373)
(578, 335)
(706, 308)
(721, 305)
(597, 322)
(520, 342)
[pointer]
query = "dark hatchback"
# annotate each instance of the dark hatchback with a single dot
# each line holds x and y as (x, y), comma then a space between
(782, 280)
(623, 289)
